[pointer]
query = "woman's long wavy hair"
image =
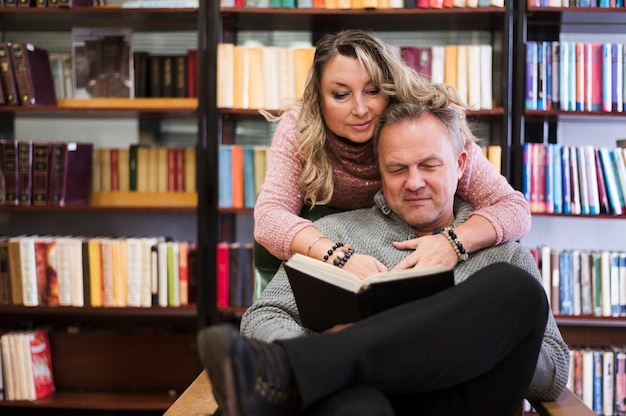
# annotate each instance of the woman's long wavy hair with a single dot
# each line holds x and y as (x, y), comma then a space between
(388, 72)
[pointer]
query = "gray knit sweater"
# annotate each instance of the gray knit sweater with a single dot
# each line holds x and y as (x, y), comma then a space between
(370, 231)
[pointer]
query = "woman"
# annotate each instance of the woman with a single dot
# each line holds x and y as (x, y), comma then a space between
(322, 154)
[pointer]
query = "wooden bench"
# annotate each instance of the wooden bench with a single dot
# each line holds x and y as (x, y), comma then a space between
(198, 400)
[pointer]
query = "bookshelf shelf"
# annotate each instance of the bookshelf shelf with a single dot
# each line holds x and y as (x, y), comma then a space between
(186, 311)
(600, 216)
(250, 18)
(162, 106)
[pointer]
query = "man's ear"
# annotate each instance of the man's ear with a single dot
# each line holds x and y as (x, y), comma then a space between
(462, 162)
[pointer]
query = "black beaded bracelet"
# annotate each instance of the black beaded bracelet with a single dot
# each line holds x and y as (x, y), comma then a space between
(449, 233)
(332, 250)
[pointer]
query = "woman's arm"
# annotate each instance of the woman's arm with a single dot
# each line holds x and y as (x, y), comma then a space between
(492, 198)
(277, 209)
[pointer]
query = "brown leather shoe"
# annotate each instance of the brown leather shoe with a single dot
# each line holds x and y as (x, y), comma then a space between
(249, 377)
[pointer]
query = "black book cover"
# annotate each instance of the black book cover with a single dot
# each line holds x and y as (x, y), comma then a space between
(356, 299)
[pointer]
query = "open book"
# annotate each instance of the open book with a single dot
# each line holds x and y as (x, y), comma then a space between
(327, 295)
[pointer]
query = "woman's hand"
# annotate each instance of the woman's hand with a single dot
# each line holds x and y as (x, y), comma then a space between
(363, 266)
(430, 250)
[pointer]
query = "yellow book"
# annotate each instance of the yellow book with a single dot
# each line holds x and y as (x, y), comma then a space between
(162, 169)
(190, 169)
(241, 76)
(272, 77)
(287, 86)
(225, 75)
(302, 58)
(153, 166)
(106, 253)
(123, 169)
(256, 78)
(450, 65)
(120, 273)
(105, 170)
(260, 163)
(96, 173)
(143, 170)
(95, 271)
(494, 153)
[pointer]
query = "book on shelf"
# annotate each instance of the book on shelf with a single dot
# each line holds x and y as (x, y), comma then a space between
(8, 152)
(350, 299)
(103, 62)
(5, 277)
(40, 172)
(27, 364)
(70, 174)
(33, 75)
(24, 172)
(7, 74)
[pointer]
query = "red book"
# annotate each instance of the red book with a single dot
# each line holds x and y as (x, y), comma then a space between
(192, 73)
(171, 169)
(41, 248)
(237, 176)
(183, 271)
(39, 364)
(596, 77)
(33, 75)
(115, 177)
(51, 273)
(602, 193)
(8, 150)
(179, 173)
(223, 259)
(40, 171)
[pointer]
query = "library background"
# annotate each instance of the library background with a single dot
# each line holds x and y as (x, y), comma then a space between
(132, 150)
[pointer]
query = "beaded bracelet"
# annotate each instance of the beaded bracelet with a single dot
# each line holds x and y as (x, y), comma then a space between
(344, 252)
(455, 242)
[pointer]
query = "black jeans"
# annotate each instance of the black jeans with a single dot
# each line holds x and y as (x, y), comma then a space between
(471, 349)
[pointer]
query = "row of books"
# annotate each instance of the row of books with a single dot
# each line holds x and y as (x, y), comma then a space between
(598, 377)
(583, 282)
(362, 4)
(52, 3)
(95, 271)
(46, 173)
(261, 77)
(166, 76)
(268, 77)
(241, 174)
(25, 364)
(577, 180)
(575, 76)
(144, 168)
(235, 274)
(576, 3)
(468, 68)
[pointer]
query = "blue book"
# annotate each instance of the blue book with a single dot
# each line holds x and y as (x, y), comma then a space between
(542, 102)
(527, 170)
(557, 180)
(598, 387)
(565, 180)
(607, 74)
(610, 181)
(566, 281)
(564, 75)
(249, 194)
(547, 45)
(225, 180)
(531, 89)
(614, 279)
(617, 99)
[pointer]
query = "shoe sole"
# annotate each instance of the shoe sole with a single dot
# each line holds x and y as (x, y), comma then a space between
(216, 346)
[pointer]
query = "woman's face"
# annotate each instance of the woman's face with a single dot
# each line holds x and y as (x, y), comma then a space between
(351, 103)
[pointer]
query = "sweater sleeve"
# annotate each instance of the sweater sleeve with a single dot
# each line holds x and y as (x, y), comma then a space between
(277, 209)
(493, 198)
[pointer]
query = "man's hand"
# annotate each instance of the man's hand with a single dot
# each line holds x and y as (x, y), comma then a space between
(363, 266)
(429, 251)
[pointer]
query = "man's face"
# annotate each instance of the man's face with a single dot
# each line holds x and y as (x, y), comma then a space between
(420, 171)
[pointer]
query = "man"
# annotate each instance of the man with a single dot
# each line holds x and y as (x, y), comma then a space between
(477, 348)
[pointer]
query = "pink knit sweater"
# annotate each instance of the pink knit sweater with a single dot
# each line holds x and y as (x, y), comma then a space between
(356, 180)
